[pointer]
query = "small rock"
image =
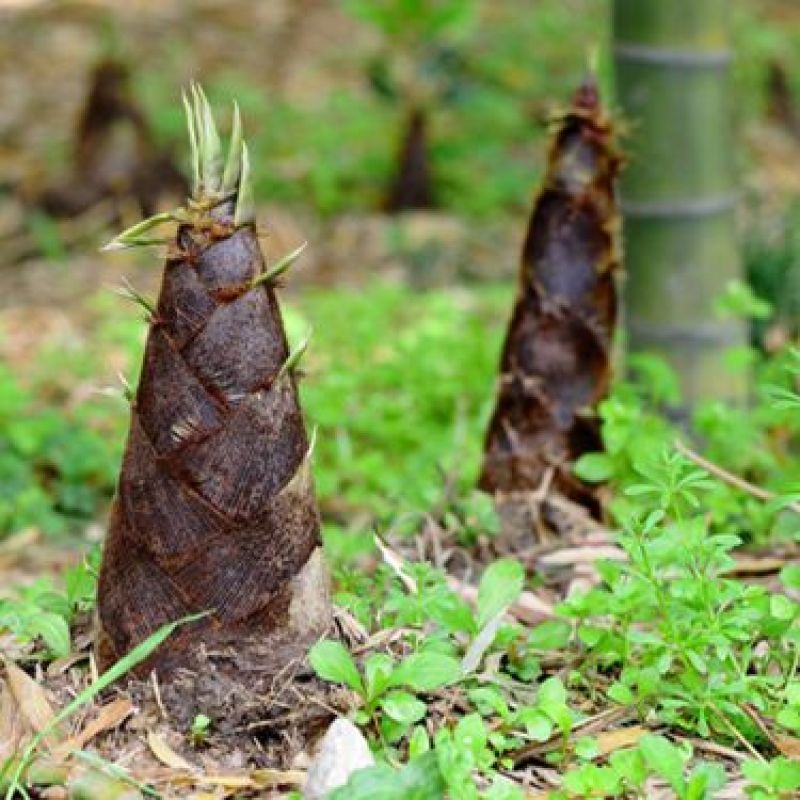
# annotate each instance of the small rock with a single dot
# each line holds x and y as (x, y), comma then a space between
(342, 751)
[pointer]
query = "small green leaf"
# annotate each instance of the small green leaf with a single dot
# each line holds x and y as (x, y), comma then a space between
(552, 693)
(210, 145)
(278, 269)
(293, 359)
(594, 467)
(503, 789)
(665, 759)
(739, 300)
(697, 661)
(134, 236)
(332, 662)
(193, 143)
(471, 735)
(793, 693)
(426, 671)
(403, 707)
(420, 779)
(501, 584)
(419, 742)
(782, 608)
(377, 671)
(538, 726)
(53, 629)
(587, 748)
(551, 635)
(620, 693)
(789, 718)
(790, 576)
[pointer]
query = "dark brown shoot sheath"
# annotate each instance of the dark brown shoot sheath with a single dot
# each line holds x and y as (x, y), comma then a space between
(114, 154)
(556, 360)
(411, 187)
(215, 508)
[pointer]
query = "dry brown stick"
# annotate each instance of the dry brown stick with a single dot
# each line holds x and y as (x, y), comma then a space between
(731, 479)
(588, 727)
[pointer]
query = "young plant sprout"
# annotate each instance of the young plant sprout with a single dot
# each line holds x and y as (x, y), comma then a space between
(556, 361)
(215, 508)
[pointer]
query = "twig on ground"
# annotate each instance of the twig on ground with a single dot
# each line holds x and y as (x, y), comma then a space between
(731, 479)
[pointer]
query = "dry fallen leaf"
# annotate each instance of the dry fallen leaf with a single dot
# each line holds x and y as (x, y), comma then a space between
(789, 746)
(12, 726)
(266, 778)
(108, 717)
(32, 701)
(396, 563)
(588, 554)
(610, 741)
(165, 754)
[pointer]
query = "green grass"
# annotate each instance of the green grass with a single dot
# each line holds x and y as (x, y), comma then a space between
(398, 382)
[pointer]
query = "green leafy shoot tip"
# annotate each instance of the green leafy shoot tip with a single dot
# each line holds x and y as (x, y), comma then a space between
(245, 213)
(312, 443)
(211, 148)
(294, 357)
(129, 292)
(282, 266)
(233, 165)
(125, 387)
(134, 236)
(200, 133)
(195, 153)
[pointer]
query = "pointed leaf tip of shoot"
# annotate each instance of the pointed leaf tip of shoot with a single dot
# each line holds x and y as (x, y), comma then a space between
(245, 213)
(134, 236)
(112, 246)
(294, 357)
(312, 442)
(195, 153)
(211, 147)
(129, 292)
(282, 266)
(233, 164)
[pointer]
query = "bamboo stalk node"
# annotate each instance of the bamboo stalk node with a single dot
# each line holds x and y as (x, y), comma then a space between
(685, 208)
(690, 335)
(673, 57)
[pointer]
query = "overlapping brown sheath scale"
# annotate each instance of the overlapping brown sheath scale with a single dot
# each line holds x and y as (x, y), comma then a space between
(215, 508)
(556, 360)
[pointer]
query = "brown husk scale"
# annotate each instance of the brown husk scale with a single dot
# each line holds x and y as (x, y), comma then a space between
(556, 359)
(215, 507)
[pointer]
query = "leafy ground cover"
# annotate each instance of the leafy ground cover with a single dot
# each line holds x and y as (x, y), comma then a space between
(653, 655)
(669, 668)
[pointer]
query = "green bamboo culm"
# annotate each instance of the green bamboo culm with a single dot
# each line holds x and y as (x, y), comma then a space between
(672, 63)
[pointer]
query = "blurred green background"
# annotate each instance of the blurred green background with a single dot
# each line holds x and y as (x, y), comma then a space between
(408, 309)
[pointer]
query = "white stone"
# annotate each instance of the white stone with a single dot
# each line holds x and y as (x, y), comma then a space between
(342, 751)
